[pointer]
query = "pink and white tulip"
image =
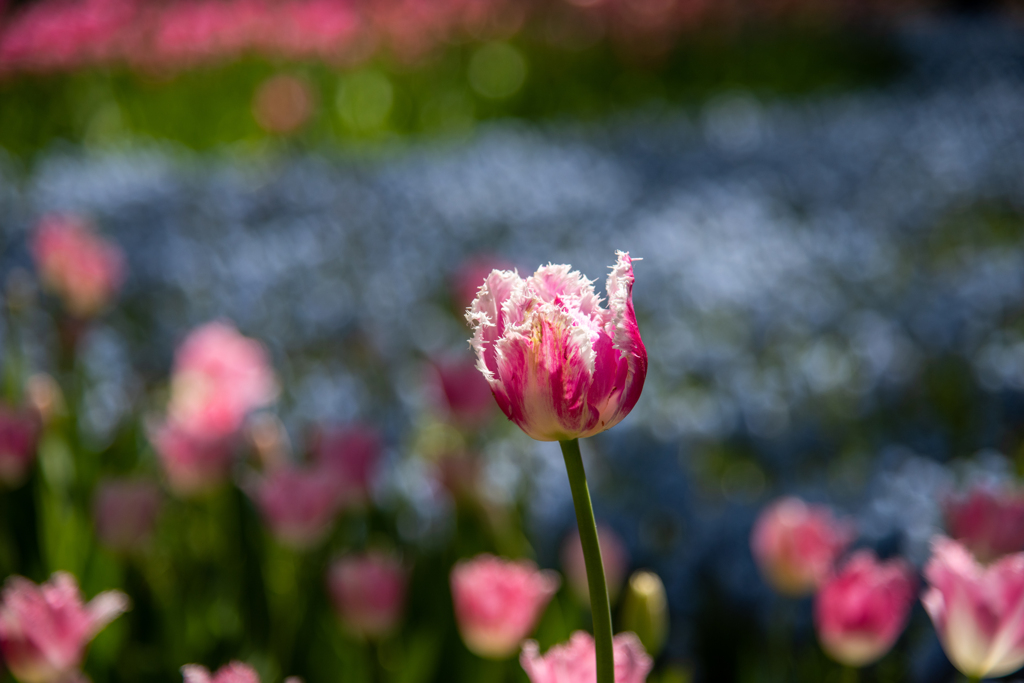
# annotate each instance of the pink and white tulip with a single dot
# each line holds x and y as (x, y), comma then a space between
(125, 512)
(796, 545)
(235, 672)
(77, 264)
(978, 611)
(575, 661)
(44, 629)
(368, 591)
(299, 505)
(989, 521)
(18, 434)
(499, 602)
(613, 554)
(219, 377)
(861, 610)
(560, 365)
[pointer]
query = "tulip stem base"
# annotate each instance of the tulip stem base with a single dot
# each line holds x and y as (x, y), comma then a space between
(600, 607)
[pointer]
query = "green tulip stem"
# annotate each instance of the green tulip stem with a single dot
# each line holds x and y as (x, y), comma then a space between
(599, 603)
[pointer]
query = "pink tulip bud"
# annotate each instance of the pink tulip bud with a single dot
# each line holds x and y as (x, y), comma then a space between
(977, 611)
(193, 466)
(861, 611)
(988, 521)
(796, 544)
(235, 672)
(460, 393)
(561, 366)
(614, 556)
(575, 661)
(76, 264)
(498, 602)
(350, 457)
(18, 435)
(298, 505)
(125, 512)
(219, 377)
(44, 629)
(368, 591)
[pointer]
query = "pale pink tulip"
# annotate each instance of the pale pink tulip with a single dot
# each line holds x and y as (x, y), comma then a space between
(219, 377)
(125, 512)
(349, 456)
(44, 629)
(235, 672)
(861, 611)
(989, 521)
(977, 611)
(560, 365)
(368, 591)
(18, 434)
(614, 556)
(77, 264)
(498, 602)
(796, 544)
(575, 661)
(299, 505)
(192, 465)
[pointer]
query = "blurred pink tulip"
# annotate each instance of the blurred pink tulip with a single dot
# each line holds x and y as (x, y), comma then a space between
(235, 672)
(988, 521)
(298, 505)
(575, 662)
(44, 629)
(861, 611)
(471, 274)
(283, 104)
(613, 554)
(18, 435)
(978, 612)
(349, 456)
(796, 544)
(77, 264)
(192, 466)
(561, 366)
(219, 377)
(125, 512)
(368, 591)
(460, 392)
(498, 602)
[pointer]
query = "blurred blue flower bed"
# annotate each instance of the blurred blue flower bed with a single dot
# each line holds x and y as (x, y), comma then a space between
(830, 294)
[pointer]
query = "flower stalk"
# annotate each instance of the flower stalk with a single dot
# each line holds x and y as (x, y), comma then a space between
(599, 604)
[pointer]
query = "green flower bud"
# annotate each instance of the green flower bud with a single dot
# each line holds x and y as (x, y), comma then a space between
(645, 610)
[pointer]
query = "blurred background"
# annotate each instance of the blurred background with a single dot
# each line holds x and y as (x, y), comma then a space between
(828, 198)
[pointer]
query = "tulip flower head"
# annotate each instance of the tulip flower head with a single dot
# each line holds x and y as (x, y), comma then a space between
(613, 554)
(192, 465)
(978, 611)
(498, 602)
(861, 610)
(574, 662)
(368, 591)
(460, 393)
(298, 505)
(219, 377)
(125, 512)
(796, 545)
(18, 434)
(75, 263)
(560, 365)
(235, 672)
(44, 629)
(988, 521)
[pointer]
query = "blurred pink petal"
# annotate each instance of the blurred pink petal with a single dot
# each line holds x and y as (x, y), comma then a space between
(988, 521)
(368, 591)
(498, 602)
(192, 465)
(18, 435)
(575, 661)
(460, 392)
(235, 672)
(299, 505)
(125, 511)
(349, 457)
(614, 557)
